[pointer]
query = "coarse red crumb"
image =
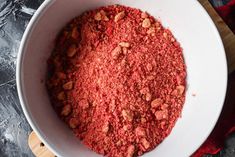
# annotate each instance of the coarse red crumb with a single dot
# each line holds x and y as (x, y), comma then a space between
(117, 78)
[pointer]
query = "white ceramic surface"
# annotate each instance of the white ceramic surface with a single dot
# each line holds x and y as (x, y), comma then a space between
(203, 52)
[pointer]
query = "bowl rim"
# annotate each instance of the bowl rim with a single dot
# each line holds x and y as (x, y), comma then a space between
(42, 8)
(37, 15)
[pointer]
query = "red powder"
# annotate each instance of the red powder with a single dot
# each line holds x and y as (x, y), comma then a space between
(117, 78)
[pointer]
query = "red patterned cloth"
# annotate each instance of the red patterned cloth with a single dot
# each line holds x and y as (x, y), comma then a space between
(225, 125)
(227, 12)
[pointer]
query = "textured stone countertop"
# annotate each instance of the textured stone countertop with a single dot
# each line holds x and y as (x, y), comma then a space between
(14, 129)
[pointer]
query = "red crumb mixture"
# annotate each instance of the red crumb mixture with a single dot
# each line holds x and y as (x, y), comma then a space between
(117, 78)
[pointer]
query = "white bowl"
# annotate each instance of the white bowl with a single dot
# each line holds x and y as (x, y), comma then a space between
(203, 52)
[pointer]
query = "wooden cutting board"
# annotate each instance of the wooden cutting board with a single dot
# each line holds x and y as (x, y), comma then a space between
(40, 150)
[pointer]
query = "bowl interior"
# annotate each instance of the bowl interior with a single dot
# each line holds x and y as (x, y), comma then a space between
(203, 52)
